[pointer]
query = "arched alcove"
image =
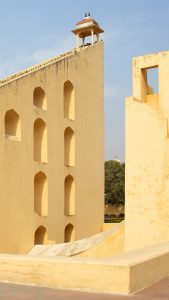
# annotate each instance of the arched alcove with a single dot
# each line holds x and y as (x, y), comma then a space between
(69, 233)
(69, 147)
(69, 196)
(12, 124)
(69, 101)
(41, 194)
(40, 236)
(39, 98)
(40, 141)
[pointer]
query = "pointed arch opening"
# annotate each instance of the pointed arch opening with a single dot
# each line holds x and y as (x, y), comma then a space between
(69, 196)
(69, 147)
(40, 141)
(41, 236)
(39, 98)
(41, 194)
(69, 233)
(69, 101)
(12, 125)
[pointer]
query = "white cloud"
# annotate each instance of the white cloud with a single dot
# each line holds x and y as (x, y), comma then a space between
(61, 47)
(24, 59)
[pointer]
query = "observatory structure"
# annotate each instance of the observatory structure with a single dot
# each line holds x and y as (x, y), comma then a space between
(51, 116)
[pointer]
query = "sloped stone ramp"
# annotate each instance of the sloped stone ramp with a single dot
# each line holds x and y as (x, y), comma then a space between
(103, 244)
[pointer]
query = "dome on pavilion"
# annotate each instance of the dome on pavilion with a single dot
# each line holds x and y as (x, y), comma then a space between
(87, 21)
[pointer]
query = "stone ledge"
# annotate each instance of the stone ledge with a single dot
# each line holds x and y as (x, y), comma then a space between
(121, 274)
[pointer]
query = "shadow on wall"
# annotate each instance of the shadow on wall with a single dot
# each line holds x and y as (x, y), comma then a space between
(12, 124)
(69, 233)
(41, 194)
(40, 141)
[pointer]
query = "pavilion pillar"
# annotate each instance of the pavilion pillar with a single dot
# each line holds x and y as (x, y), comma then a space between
(77, 40)
(92, 35)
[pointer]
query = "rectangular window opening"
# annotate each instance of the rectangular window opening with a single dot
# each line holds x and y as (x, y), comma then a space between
(151, 75)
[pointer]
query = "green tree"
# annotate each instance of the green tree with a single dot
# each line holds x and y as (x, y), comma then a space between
(114, 182)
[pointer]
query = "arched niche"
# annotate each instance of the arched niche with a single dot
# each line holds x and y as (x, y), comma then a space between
(40, 237)
(40, 141)
(12, 124)
(69, 101)
(69, 196)
(69, 233)
(41, 194)
(69, 147)
(39, 98)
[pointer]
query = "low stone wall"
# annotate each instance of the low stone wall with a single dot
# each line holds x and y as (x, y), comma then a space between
(120, 274)
(65, 272)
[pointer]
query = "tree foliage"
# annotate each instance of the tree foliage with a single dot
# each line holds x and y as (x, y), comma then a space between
(114, 182)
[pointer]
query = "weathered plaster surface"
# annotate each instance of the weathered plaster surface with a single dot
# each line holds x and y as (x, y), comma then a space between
(103, 244)
(18, 219)
(147, 159)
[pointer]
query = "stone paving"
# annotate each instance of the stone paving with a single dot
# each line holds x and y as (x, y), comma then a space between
(157, 291)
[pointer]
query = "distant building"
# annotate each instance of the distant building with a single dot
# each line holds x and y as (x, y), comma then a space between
(118, 160)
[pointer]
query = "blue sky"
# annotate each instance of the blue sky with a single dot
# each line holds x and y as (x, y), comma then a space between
(31, 31)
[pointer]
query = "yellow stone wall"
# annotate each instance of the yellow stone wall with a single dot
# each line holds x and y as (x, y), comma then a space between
(18, 218)
(147, 156)
(112, 245)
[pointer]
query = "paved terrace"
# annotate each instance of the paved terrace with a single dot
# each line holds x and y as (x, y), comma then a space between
(157, 291)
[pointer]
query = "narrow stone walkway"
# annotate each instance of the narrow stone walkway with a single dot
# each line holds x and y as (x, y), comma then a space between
(157, 291)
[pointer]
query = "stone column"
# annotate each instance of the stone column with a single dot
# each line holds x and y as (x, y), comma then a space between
(77, 40)
(92, 34)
